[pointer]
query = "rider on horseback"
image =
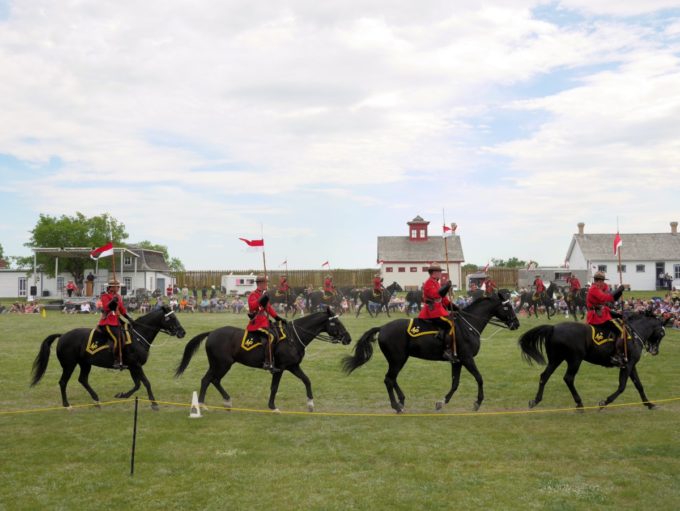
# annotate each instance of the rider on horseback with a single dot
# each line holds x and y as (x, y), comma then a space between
(436, 310)
(109, 323)
(284, 287)
(574, 285)
(489, 286)
(600, 314)
(539, 288)
(328, 286)
(378, 287)
(259, 311)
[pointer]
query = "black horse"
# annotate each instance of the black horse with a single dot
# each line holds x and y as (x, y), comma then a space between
(535, 300)
(318, 300)
(71, 351)
(576, 302)
(573, 343)
(413, 301)
(397, 345)
(225, 346)
(288, 299)
(367, 296)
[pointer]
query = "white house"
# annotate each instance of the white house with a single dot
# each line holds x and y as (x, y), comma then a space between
(405, 259)
(137, 268)
(648, 261)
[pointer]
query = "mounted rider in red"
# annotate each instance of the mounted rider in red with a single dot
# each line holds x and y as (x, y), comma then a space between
(328, 286)
(283, 286)
(599, 313)
(259, 311)
(109, 322)
(378, 285)
(436, 310)
(539, 287)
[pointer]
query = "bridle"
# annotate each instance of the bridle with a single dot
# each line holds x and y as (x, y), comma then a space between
(320, 335)
(462, 313)
(142, 339)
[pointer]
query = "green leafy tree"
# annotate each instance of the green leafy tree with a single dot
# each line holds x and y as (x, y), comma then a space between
(174, 263)
(513, 262)
(73, 231)
(470, 268)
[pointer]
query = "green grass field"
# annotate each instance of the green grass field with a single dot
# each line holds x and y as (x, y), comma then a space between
(354, 452)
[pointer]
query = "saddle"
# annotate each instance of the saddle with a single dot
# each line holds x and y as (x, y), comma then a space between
(377, 294)
(252, 340)
(98, 340)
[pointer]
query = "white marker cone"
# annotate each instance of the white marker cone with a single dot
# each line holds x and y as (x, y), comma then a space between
(195, 412)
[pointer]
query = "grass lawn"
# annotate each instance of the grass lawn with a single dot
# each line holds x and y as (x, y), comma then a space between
(354, 452)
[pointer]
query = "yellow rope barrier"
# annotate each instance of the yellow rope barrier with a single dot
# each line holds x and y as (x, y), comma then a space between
(345, 414)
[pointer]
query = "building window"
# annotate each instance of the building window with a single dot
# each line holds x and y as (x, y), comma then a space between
(22, 286)
(639, 268)
(389, 269)
(422, 233)
(413, 269)
(621, 268)
(602, 267)
(401, 269)
(676, 271)
(414, 233)
(424, 268)
(127, 282)
(127, 260)
(60, 284)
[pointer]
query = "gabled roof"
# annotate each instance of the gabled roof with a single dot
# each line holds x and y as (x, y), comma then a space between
(401, 248)
(636, 247)
(150, 260)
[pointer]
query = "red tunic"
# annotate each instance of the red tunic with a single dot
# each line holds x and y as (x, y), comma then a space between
(597, 297)
(377, 285)
(489, 286)
(261, 319)
(328, 286)
(431, 293)
(575, 284)
(109, 317)
(283, 287)
(540, 287)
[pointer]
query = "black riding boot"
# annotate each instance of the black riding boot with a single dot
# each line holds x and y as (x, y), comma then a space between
(268, 359)
(448, 353)
(619, 358)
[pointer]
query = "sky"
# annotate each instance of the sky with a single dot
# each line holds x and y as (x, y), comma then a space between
(320, 126)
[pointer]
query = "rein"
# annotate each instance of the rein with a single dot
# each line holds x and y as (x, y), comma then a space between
(142, 339)
(490, 321)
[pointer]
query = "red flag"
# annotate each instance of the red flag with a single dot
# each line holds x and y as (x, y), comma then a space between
(326, 264)
(253, 243)
(103, 251)
(283, 263)
(381, 261)
(447, 232)
(486, 268)
(617, 243)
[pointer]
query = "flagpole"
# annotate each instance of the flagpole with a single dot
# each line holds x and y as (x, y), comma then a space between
(623, 319)
(264, 259)
(113, 256)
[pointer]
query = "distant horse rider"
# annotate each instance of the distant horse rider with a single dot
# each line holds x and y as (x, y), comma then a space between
(328, 286)
(489, 286)
(284, 287)
(259, 311)
(574, 285)
(436, 309)
(600, 314)
(109, 323)
(378, 287)
(539, 287)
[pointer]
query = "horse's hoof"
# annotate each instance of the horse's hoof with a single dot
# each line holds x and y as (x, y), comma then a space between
(532, 403)
(97, 405)
(69, 408)
(310, 405)
(652, 406)
(476, 405)
(276, 410)
(119, 395)
(227, 404)
(439, 405)
(154, 407)
(399, 411)
(602, 404)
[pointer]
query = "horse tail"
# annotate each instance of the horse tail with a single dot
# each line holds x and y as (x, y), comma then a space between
(189, 350)
(363, 351)
(533, 343)
(40, 362)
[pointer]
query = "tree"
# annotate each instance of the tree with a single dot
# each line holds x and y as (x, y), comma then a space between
(73, 231)
(174, 263)
(470, 268)
(513, 262)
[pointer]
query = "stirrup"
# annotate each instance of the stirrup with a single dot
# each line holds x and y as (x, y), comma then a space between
(449, 356)
(119, 366)
(618, 360)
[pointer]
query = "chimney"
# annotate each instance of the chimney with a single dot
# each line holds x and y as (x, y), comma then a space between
(674, 227)
(580, 225)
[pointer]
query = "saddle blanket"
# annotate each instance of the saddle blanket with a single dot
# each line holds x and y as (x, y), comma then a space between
(252, 340)
(418, 327)
(601, 335)
(98, 340)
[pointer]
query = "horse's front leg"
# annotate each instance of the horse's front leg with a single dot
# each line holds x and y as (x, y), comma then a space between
(638, 385)
(84, 381)
(624, 373)
(276, 379)
(455, 381)
(136, 379)
(297, 371)
(472, 369)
